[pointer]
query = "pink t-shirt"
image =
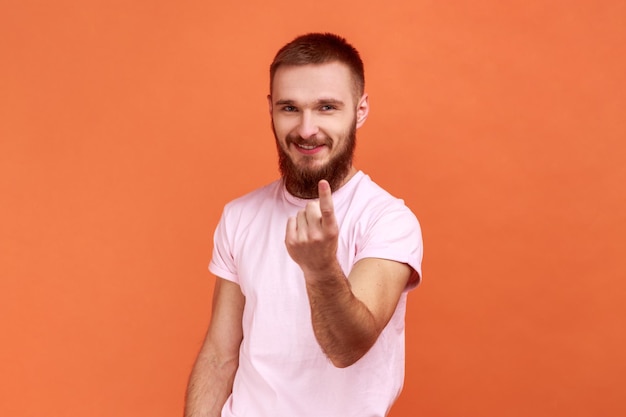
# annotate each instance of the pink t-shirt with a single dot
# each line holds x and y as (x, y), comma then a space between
(282, 369)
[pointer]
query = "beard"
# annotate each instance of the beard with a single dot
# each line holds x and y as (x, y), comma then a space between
(302, 181)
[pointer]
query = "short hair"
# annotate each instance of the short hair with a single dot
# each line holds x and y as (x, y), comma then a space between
(321, 48)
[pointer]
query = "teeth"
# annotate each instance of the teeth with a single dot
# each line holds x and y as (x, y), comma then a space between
(308, 147)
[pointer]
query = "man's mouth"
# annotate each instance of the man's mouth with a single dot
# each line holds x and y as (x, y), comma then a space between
(307, 147)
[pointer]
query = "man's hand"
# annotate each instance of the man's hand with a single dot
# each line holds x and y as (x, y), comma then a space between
(311, 236)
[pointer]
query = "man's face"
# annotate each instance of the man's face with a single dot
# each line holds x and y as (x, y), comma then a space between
(314, 117)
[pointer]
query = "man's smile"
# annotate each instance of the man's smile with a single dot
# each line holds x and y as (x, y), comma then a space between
(309, 149)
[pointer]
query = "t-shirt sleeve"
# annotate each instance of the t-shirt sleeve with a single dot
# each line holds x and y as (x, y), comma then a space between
(223, 262)
(395, 235)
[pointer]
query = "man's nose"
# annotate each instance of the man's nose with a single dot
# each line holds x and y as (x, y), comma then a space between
(308, 126)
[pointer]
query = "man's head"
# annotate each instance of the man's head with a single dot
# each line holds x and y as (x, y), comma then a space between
(316, 102)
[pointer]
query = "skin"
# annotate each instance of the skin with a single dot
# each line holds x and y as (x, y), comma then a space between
(316, 104)
(211, 380)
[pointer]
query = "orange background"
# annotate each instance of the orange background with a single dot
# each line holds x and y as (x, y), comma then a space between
(125, 126)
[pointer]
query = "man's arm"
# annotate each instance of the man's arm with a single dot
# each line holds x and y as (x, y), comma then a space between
(348, 315)
(211, 380)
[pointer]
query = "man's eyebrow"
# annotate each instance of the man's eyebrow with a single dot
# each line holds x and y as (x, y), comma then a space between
(320, 101)
(330, 101)
(282, 102)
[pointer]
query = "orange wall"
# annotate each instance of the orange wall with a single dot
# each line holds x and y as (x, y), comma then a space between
(126, 125)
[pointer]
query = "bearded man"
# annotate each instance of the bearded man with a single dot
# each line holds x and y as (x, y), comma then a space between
(313, 270)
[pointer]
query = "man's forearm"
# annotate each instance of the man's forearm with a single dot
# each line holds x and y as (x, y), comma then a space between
(210, 384)
(343, 325)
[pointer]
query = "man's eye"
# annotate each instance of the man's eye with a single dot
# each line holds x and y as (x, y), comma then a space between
(289, 108)
(327, 107)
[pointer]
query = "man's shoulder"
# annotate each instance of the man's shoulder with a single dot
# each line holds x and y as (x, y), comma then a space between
(373, 205)
(256, 198)
(374, 196)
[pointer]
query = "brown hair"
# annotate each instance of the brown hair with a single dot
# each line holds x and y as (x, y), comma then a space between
(321, 48)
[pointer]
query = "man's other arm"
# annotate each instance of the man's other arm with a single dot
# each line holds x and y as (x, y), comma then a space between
(211, 380)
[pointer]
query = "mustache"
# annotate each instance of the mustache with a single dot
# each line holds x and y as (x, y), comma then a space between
(317, 140)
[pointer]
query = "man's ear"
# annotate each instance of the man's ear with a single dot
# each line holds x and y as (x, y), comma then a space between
(269, 103)
(362, 110)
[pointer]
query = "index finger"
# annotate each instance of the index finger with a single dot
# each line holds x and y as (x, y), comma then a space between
(326, 202)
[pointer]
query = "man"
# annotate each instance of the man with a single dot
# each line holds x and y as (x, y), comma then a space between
(314, 269)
